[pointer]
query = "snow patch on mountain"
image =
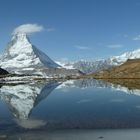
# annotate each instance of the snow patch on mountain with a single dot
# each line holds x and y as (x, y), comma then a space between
(117, 60)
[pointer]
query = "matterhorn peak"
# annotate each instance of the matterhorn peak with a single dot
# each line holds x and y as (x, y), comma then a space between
(20, 37)
(21, 56)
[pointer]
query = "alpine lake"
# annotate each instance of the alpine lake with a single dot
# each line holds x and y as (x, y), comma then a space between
(70, 110)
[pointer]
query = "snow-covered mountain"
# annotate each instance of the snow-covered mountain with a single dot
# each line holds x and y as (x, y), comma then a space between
(118, 60)
(21, 55)
(97, 65)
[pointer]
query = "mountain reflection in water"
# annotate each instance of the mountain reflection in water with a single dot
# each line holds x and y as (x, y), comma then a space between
(21, 99)
(73, 104)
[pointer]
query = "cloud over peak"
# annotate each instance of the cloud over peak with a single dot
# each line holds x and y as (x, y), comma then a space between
(28, 29)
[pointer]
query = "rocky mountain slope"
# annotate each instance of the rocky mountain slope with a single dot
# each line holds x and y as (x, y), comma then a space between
(130, 69)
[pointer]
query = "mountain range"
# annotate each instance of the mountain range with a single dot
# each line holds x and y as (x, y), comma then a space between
(98, 65)
(21, 57)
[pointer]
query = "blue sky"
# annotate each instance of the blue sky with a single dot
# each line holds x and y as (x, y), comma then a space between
(75, 29)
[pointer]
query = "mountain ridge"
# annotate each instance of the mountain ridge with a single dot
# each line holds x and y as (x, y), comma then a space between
(128, 70)
(101, 64)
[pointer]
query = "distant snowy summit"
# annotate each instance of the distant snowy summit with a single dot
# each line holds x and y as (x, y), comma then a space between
(22, 57)
(98, 65)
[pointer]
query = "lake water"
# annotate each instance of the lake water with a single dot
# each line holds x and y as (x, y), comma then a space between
(46, 110)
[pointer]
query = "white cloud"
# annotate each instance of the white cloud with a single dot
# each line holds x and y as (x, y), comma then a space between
(115, 46)
(137, 37)
(28, 28)
(82, 47)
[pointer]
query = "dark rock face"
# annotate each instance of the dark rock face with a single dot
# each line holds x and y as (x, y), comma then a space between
(3, 72)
